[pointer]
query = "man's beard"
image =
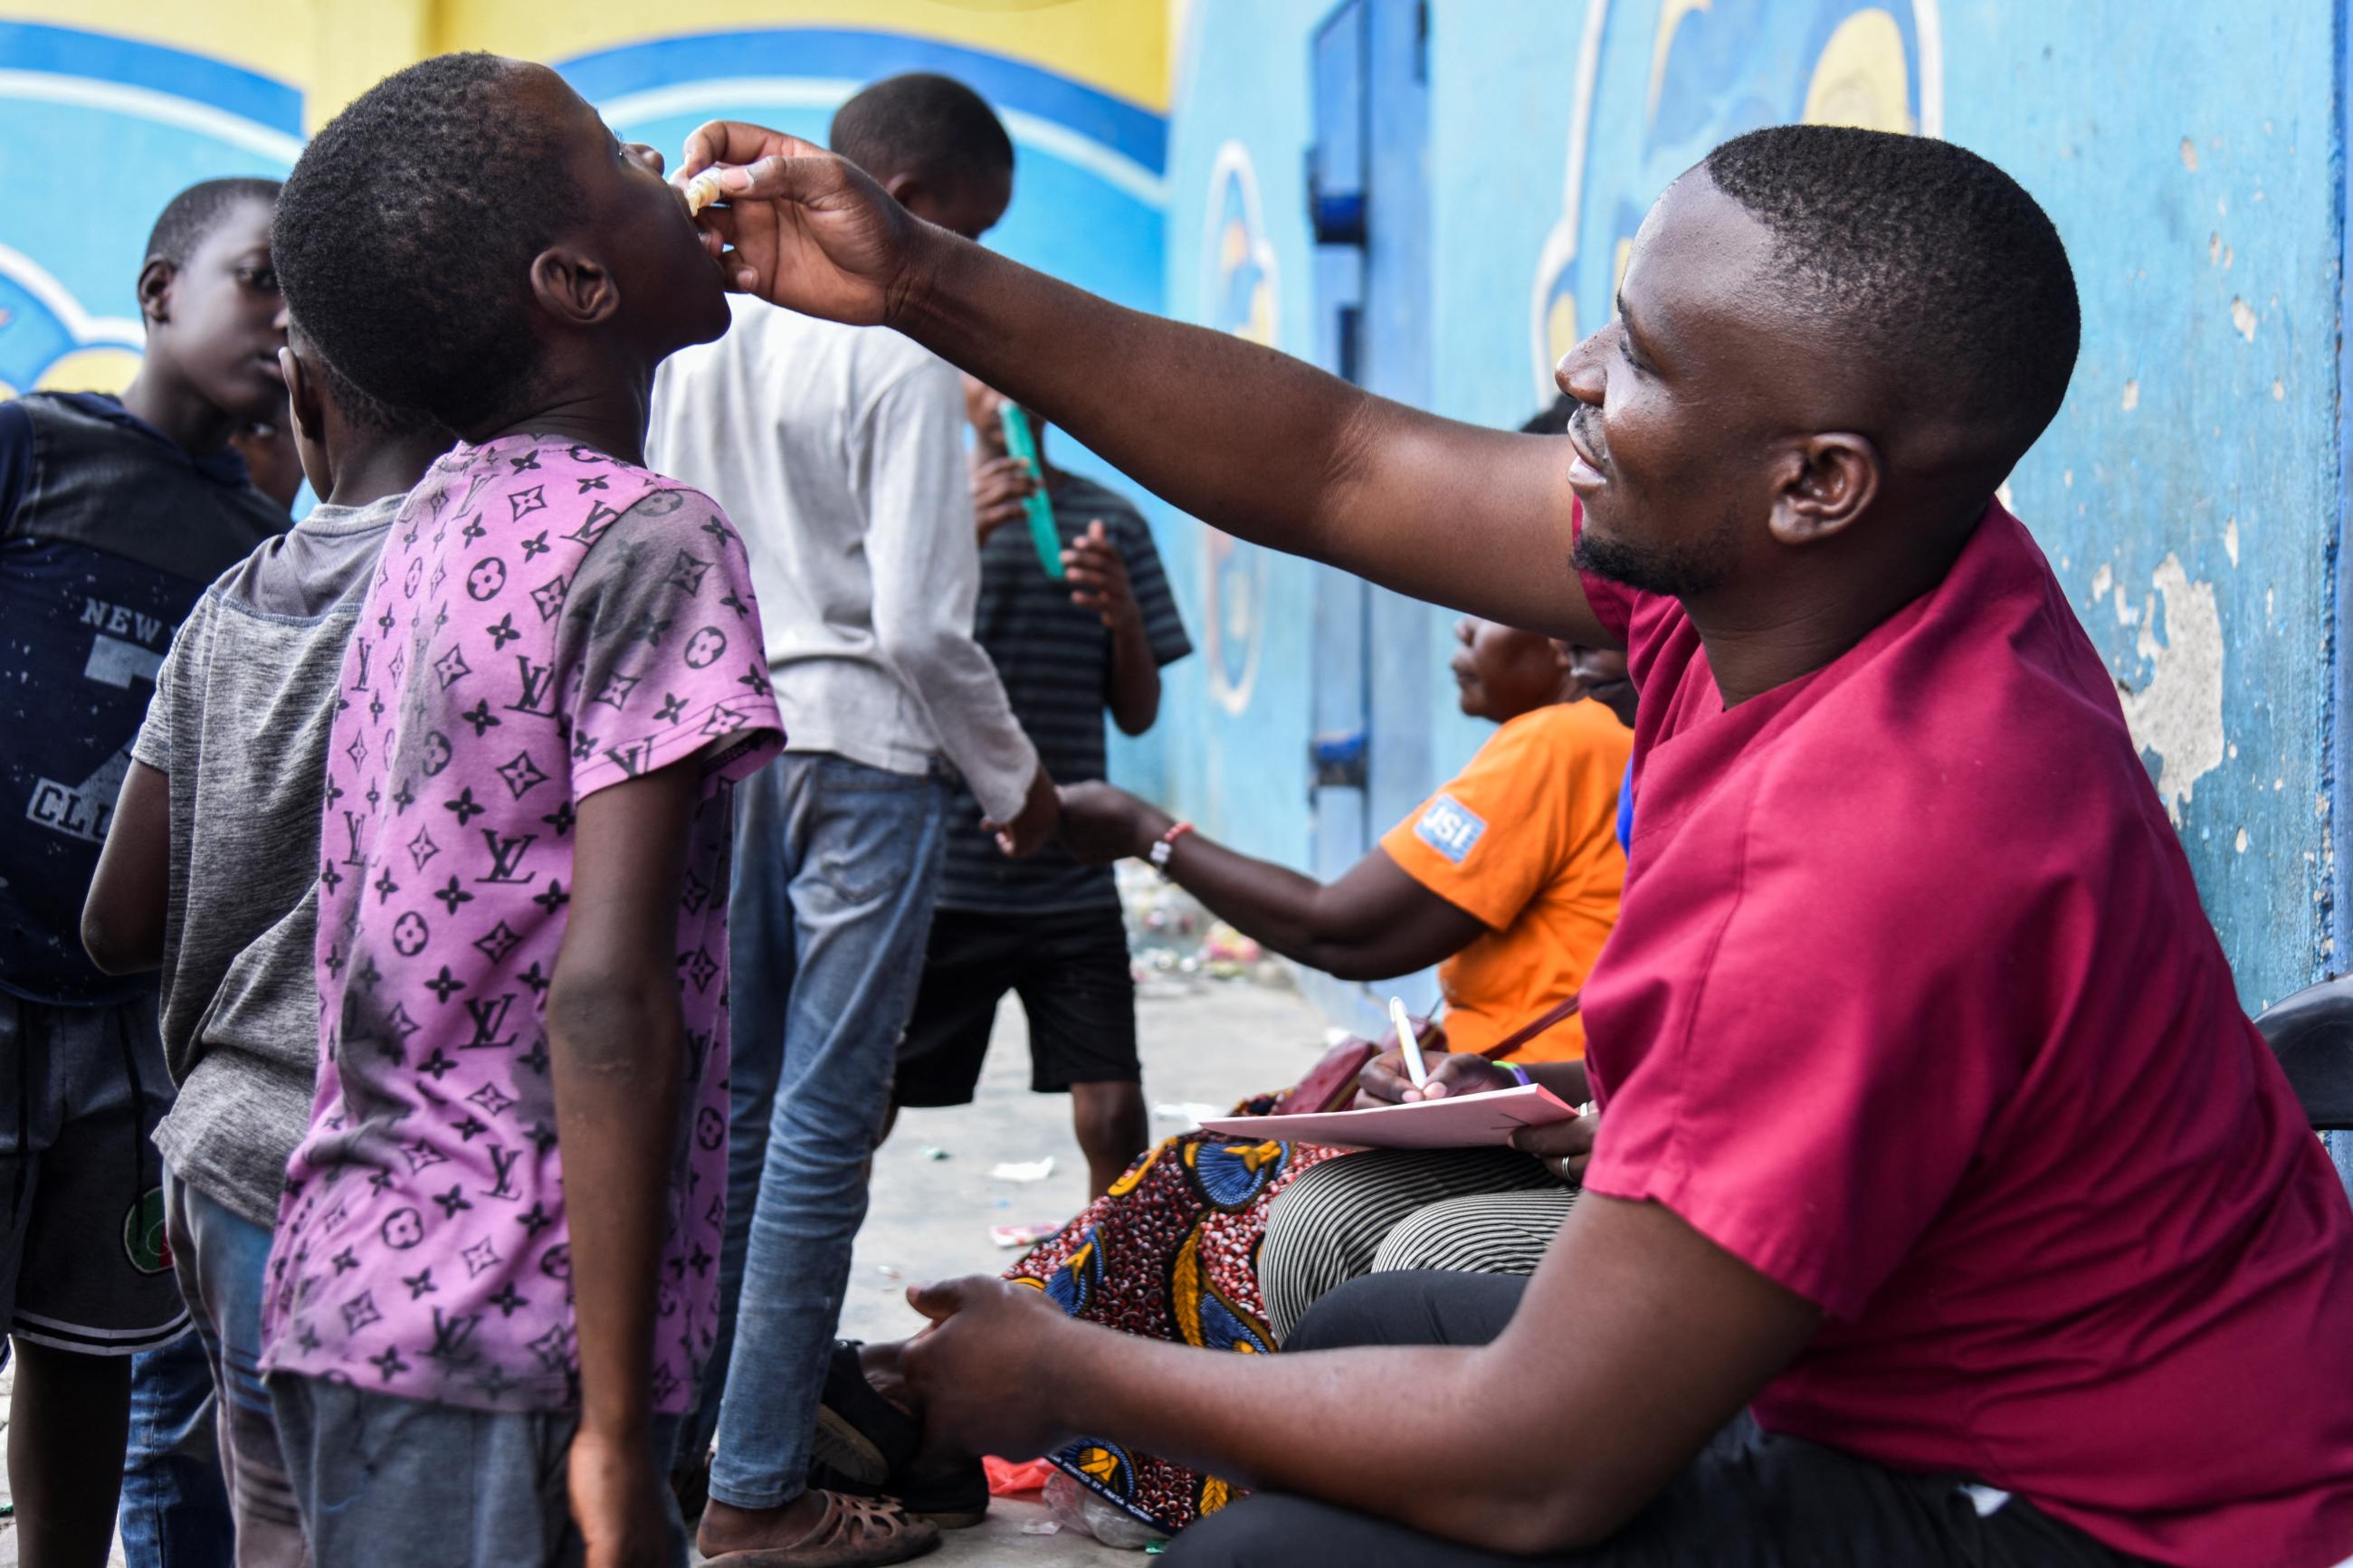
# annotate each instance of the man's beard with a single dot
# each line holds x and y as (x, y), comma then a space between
(1679, 571)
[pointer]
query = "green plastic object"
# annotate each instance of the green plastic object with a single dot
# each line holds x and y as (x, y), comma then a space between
(1022, 444)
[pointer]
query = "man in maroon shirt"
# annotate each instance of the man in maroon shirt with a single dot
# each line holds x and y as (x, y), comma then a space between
(1944, 1207)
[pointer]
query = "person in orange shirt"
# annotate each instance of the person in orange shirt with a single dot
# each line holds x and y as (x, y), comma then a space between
(1507, 879)
(1524, 840)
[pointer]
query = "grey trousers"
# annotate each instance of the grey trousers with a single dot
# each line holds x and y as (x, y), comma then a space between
(397, 1483)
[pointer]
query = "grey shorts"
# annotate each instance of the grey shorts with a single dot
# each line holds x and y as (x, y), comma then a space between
(87, 1267)
(398, 1482)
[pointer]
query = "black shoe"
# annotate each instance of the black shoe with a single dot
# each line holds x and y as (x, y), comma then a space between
(865, 1446)
(860, 1434)
(690, 1484)
(954, 1498)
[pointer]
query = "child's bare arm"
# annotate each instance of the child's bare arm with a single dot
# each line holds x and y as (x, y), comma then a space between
(123, 920)
(614, 1041)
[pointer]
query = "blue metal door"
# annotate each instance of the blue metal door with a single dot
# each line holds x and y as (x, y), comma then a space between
(1338, 189)
(1368, 206)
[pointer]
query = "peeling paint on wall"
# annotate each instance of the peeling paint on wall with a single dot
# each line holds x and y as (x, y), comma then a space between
(2179, 713)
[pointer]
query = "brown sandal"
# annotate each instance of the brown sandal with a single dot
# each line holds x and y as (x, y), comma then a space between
(852, 1532)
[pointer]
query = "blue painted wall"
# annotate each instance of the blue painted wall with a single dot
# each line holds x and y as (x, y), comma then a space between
(159, 120)
(2188, 493)
(1088, 196)
(1238, 718)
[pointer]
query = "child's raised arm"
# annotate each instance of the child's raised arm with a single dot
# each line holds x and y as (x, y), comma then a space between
(615, 1038)
(122, 921)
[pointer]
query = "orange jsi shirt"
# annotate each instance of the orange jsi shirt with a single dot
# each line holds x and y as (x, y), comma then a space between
(1526, 839)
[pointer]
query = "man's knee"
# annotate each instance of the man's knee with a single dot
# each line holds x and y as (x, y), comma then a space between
(1418, 1308)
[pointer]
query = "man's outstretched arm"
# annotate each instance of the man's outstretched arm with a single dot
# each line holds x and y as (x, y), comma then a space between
(1245, 438)
(1637, 1341)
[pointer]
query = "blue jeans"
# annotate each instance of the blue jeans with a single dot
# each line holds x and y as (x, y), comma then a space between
(175, 1510)
(836, 865)
(221, 1258)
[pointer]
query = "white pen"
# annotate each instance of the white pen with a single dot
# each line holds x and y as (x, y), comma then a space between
(1408, 1043)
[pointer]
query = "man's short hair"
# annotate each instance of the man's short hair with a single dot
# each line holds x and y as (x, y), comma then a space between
(405, 237)
(1930, 258)
(189, 218)
(931, 126)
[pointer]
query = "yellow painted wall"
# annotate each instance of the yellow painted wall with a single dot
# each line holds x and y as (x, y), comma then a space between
(334, 49)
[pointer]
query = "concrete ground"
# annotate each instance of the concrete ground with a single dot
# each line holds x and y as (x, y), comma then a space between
(1206, 1041)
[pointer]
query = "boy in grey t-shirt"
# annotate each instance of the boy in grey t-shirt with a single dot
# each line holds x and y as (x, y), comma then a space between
(210, 872)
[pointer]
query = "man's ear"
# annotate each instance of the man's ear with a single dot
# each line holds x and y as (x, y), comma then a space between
(155, 281)
(574, 287)
(1828, 480)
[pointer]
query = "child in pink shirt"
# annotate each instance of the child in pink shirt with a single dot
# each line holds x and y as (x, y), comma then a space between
(493, 1285)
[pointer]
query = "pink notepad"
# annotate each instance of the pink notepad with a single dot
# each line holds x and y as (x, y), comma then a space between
(1458, 1122)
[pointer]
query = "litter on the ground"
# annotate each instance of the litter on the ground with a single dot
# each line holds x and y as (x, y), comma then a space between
(1081, 1512)
(1174, 944)
(933, 1151)
(885, 1270)
(1009, 1478)
(1190, 1112)
(1023, 1170)
(1021, 1234)
(1042, 1527)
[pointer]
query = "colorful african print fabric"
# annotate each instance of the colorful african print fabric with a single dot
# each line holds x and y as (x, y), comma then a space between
(1170, 1253)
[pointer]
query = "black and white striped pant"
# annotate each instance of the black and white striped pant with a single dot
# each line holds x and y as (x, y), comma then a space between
(1474, 1211)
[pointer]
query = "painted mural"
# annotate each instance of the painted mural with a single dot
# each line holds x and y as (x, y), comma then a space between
(1089, 199)
(1715, 71)
(1238, 295)
(163, 97)
(164, 119)
(2190, 494)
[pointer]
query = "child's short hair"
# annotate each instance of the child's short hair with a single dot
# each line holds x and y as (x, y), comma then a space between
(921, 123)
(361, 411)
(189, 217)
(405, 237)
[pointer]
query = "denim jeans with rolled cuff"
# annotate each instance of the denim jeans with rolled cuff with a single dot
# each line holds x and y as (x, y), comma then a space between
(836, 865)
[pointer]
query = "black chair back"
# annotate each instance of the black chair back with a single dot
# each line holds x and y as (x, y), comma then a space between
(2311, 1033)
